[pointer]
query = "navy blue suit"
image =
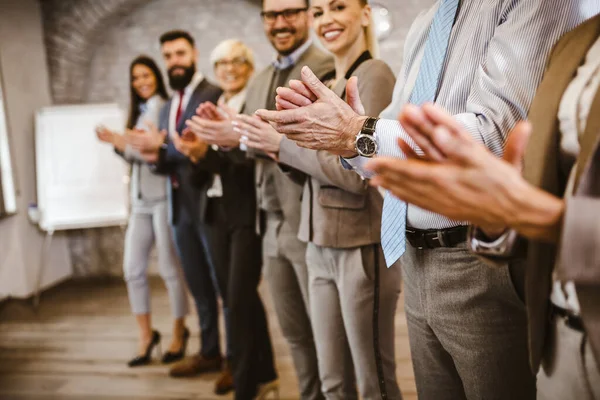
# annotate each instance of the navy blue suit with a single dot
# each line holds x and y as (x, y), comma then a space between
(189, 229)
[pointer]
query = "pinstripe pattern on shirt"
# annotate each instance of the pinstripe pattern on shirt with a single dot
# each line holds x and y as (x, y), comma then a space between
(496, 58)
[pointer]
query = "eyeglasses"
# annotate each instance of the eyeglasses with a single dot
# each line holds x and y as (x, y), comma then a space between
(289, 14)
(234, 62)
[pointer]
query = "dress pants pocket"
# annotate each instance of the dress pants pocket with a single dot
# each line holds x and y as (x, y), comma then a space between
(514, 272)
(368, 261)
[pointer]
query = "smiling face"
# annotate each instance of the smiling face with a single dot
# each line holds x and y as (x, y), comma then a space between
(233, 71)
(286, 33)
(143, 81)
(339, 23)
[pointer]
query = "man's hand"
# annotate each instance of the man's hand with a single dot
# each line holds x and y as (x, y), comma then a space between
(146, 141)
(461, 179)
(190, 146)
(328, 123)
(258, 134)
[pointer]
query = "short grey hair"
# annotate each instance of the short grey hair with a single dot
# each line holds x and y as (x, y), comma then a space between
(225, 48)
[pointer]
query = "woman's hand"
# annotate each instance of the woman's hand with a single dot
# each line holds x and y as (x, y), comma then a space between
(104, 134)
(107, 136)
(146, 141)
(258, 134)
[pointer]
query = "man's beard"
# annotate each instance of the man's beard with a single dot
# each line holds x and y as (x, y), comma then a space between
(294, 46)
(179, 82)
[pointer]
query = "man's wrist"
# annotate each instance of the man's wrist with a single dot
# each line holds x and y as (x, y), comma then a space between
(540, 217)
(354, 127)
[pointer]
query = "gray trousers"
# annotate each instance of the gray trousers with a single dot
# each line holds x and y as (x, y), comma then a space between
(341, 296)
(149, 226)
(569, 368)
(286, 273)
(467, 327)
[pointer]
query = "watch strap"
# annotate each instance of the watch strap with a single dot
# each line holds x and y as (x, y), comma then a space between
(368, 127)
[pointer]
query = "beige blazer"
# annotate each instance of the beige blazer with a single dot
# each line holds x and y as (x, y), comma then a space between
(339, 208)
(579, 247)
(273, 186)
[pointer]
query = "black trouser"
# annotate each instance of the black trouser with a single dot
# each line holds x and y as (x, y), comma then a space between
(236, 253)
(196, 264)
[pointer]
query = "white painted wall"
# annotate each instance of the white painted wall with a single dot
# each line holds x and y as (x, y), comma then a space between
(24, 73)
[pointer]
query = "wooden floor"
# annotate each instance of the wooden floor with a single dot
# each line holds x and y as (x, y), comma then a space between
(76, 344)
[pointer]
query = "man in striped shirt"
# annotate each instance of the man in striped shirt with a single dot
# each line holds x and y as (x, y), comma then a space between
(467, 322)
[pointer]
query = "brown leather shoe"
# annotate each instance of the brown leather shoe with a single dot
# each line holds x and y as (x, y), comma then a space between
(195, 365)
(224, 383)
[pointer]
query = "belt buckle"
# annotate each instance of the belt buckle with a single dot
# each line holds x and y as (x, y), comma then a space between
(439, 236)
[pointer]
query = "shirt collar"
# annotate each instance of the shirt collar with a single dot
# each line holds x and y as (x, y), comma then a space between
(285, 62)
(144, 106)
(236, 102)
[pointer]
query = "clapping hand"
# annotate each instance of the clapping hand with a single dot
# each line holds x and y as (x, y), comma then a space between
(461, 179)
(213, 125)
(190, 146)
(258, 134)
(146, 141)
(107, 136)
(314, 117)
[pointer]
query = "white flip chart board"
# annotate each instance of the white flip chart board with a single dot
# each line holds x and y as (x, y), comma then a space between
(81, 183)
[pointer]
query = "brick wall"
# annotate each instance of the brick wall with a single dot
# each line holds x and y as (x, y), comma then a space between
(209, 22)
(90, 44)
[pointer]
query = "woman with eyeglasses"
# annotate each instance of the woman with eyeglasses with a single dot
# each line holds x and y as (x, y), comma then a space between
(149, 221)
(340, 220)
(222, 168)
(233, 64)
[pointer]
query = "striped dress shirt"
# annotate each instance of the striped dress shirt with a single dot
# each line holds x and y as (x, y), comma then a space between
(496, 58)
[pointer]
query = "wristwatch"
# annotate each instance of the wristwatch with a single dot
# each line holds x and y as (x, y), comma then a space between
(366, 142)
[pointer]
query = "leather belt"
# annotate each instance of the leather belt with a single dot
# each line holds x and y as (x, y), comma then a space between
(571, 320)
(436, 238)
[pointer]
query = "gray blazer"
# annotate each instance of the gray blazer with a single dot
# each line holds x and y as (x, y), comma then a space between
(274, 188)
(339, 208)
(145, 186)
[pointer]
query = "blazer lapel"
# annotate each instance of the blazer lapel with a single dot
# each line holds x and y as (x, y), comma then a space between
(265, 86)
(190, 109)
(541, 157)
(304, 59)
(340, 88)
(589, 142)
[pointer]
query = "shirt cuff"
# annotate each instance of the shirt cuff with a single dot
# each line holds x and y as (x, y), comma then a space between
(505, 246)
(357, 164)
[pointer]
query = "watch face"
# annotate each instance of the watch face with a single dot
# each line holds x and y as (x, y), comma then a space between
(366, 145)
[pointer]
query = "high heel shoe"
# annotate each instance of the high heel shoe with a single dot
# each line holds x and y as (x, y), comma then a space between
(267, 388)
(171, 356)
(147, 357)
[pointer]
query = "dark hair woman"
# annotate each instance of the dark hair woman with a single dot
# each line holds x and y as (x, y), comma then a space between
(149, 221)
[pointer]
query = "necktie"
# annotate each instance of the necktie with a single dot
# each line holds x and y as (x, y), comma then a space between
(393, 223)
(179, 109)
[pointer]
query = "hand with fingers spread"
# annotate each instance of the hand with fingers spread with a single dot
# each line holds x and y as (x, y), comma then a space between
(317, 120)
(190, 146)
(461, 179)
(258, 134)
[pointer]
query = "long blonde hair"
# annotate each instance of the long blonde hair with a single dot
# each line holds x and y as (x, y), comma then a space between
(370, 35)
